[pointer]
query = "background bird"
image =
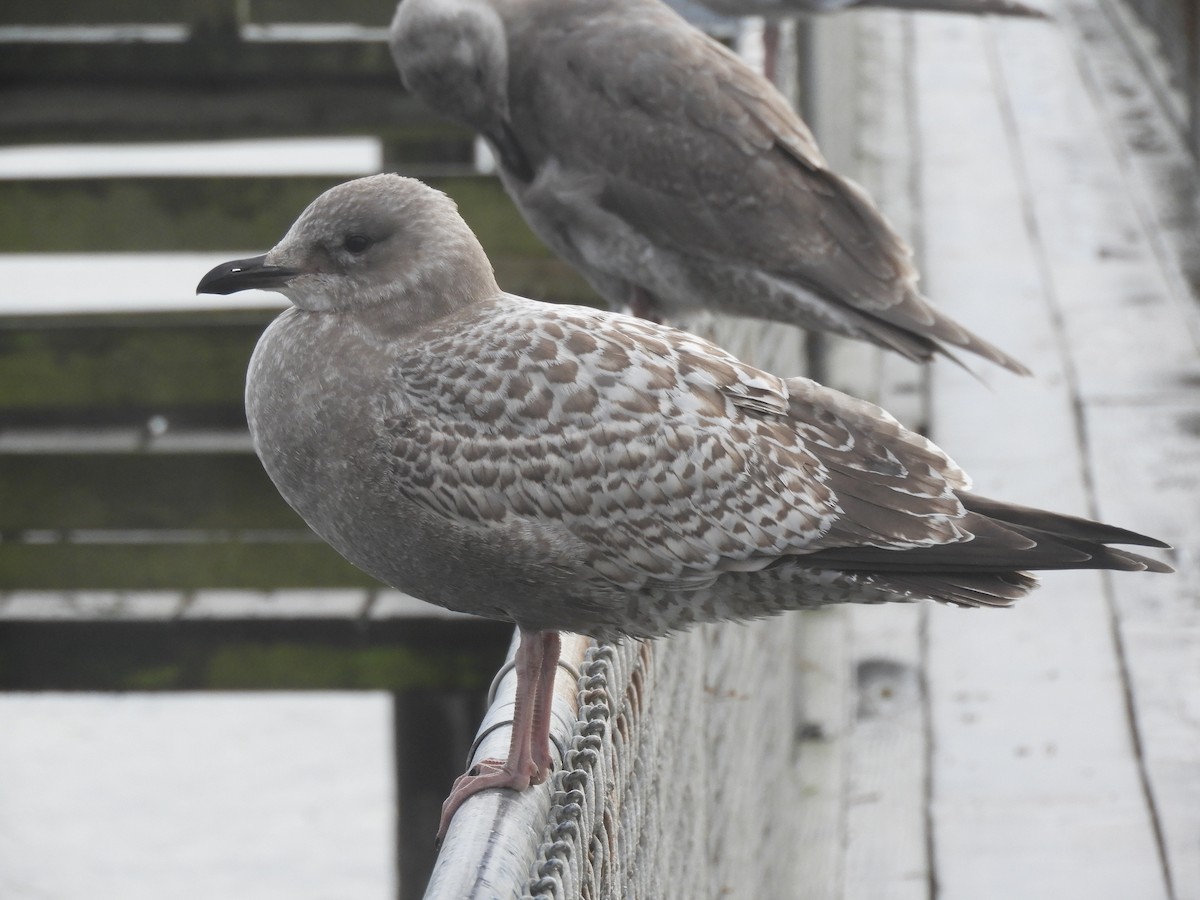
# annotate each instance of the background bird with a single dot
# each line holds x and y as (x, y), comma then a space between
(572, 469)
(794, 7)
(672, 175)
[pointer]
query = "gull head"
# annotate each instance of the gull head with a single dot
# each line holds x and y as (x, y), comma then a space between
(383, 241)
(453, 54)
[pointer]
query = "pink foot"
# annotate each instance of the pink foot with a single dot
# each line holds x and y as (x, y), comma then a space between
(529, 760)
(487, 773)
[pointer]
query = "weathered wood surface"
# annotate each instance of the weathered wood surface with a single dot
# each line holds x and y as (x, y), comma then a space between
(1054, 750)
(122, 70)
(136, 797)
(1046, 752)
(227, 213)
(1044, 780)
(1164, 37)
(377, 13)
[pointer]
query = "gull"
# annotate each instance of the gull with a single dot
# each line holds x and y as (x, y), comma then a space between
(667, 171)
(779, 8)
(572, 469)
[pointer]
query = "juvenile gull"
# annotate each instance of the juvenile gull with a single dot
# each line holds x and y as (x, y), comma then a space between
(570, 469)
(792, 7)
(666, 170)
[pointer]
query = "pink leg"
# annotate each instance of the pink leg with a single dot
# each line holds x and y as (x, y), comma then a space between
(529, 760)
(543, 705)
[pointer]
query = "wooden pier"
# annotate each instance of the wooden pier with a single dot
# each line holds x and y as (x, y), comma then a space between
(1042, 172)
(1050, 751)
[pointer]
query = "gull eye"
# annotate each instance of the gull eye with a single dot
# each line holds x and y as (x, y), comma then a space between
(356, 243)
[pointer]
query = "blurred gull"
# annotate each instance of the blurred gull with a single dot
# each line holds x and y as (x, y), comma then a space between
(794, 7)
(667, 171)
(571, 469)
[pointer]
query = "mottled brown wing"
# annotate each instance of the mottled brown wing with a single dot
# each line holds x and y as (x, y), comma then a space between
(662, 457)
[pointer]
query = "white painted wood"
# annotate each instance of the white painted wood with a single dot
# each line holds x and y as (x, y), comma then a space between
(1099, 203)
(1126, 334)
(886, 849)
(196, 796)
(344, 156)
(1151, 150)
(116, 282)
(1036, 784)
(749, 700)
(75, 605)
(1155, 483)
(288, 604)
(823, 655)
(886, 166)
(886, 846)
(833, 83)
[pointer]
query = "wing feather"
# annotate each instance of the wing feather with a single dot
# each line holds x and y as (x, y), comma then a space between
(719, 467)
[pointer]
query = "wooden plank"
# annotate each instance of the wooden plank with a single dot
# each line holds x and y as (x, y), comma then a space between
(96, 371)
(887, 837)
(1148, 147)
(886, 843)
(1158, 37)
(864, 738)
(197, 797)
(186, 565)
(1137, 374)
(1036, 782)
(217, 605)
(84, 12)
(141, 491)
(205, 63)
(79, 111)
(751, 703)
(1131, 335)
(822, 764)
(308, 653)
(219, 213)
(16, 606)
(1154, 483)
(213, 212)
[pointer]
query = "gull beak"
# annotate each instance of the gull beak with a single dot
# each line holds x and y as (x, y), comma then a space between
(244, 274)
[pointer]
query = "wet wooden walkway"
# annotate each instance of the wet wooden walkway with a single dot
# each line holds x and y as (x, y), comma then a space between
(1052, 751)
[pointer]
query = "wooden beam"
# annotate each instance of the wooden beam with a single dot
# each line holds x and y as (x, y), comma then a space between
(227, 213)
(83, 111)
(269, 654)
(132, 491)
(92, 371)
(86, 12)
(209, 62)
(126, 565)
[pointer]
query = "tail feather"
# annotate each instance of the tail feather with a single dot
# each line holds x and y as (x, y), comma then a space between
(964, 589)
(917, 330)
(974, 7)
(1056, 523)
(992, 568)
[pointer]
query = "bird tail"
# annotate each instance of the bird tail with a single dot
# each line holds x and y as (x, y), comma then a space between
(992, 569)
(931, 340)
(975, 7)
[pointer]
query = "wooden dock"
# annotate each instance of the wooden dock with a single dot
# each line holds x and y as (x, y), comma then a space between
(1054, 750)
(920, 753)
(1050, 751)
